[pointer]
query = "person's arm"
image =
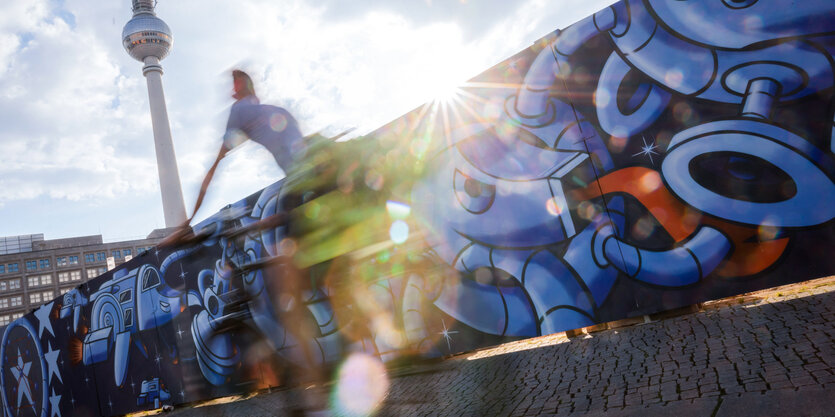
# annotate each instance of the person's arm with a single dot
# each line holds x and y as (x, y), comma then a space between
(231, 138)
(184, 232)
(206, 181)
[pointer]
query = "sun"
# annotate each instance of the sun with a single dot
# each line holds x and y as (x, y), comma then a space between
(445, 92)
(441, 86)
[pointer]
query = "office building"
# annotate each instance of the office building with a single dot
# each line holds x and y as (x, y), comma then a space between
(34, 270)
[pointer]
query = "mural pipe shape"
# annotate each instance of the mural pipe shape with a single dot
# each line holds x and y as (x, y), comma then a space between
(657, 154)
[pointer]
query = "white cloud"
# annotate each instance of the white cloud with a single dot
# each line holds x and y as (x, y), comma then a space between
(62, 132)
(22, 16)
(73, 105)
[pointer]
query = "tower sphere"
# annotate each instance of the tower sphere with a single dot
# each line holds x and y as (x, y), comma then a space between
(146, 35)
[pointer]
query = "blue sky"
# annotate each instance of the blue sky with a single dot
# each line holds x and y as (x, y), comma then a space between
(76, 148)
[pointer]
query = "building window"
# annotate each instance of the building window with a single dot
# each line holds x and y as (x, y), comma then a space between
(89, 258)
(61, 261)
(94, 272)
(35, 298)
(101, 256)
(2, 269)
(44, 263)
(65, 290)
(39, 280)
(4, 320)
(73, 260)
(10, 285)
(69, 276)
(31, 265)
(13, 267)
(117, 254)
(126, 252)
(4, 303)
(48, 295)
(17, 301)
(16, 316)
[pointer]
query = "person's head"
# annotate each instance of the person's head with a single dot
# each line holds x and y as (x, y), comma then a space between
(242, 85)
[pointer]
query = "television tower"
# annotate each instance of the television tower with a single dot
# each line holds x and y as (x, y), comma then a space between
(148, 39)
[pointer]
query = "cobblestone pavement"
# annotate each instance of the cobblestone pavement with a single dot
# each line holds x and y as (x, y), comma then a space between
(770, 353)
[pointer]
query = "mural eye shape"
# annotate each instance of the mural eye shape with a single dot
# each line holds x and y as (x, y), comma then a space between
(742, 177)
(739, 4)
(473, 195)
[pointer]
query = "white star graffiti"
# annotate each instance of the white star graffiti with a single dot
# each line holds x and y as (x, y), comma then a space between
(647, 150)
(42, 314)
(446, 334)
(52, 363)
(54, 402)
(21, 374)
(180, 331)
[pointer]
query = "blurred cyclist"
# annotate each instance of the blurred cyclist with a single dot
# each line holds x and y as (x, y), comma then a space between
(278, 131)
(272, 127)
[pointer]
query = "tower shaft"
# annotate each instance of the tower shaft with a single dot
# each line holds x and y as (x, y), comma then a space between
(148, 39)
(169, 176)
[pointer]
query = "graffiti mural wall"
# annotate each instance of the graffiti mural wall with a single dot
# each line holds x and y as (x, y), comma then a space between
(654, 155)
(647, 157)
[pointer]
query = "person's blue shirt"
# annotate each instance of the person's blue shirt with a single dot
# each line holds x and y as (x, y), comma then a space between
(271, 126)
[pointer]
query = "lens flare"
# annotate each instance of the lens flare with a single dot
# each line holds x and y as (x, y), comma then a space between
(683, 112)
(362, 384)
(287, 247)
(383, 257)
(483, 276)
(398, 210)
(399, 231)
(767, 232)
(553, 207)
(617, 143)
(278, 122)
(650, 181)
(602, 97)
(643, 227)
(374, 180)
(312, 210)
(587, 210)
(673, 77)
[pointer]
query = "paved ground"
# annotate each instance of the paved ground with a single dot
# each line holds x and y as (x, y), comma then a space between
(770, 353)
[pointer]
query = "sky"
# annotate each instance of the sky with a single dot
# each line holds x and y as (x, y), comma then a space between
(76, 147)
